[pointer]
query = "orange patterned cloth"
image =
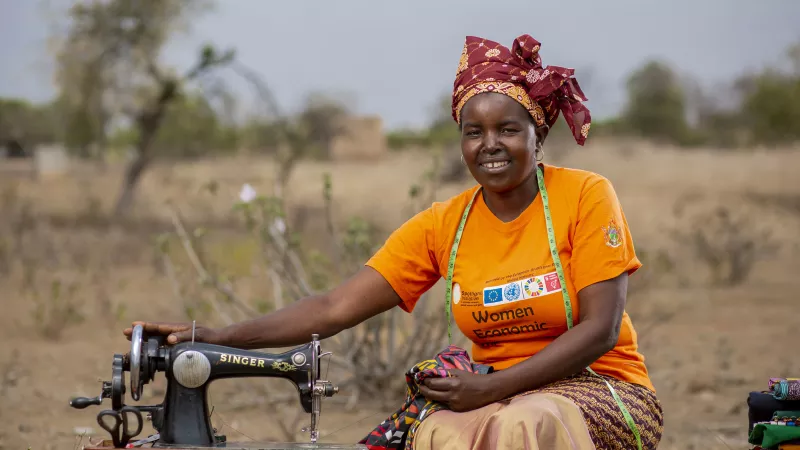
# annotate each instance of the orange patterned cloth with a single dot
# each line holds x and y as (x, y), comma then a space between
(486, 66)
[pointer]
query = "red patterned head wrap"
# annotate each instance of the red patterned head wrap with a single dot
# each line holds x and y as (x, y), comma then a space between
(487, 66)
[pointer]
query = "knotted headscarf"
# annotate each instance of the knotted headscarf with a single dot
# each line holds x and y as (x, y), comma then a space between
(486, 66)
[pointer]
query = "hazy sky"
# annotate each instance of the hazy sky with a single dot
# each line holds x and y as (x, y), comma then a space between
(396, 58)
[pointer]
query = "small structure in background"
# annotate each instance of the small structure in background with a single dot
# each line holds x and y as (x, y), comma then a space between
(50, 161)
(362, 138)
(45, 161)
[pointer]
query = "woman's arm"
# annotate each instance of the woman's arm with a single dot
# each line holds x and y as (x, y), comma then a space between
(601, 308)
(364, 295)
(398, 274)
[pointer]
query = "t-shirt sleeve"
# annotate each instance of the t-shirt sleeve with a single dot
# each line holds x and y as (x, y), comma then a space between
(602, 246)
(407, 260)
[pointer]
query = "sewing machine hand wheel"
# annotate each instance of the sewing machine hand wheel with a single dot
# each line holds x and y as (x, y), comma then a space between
(136, 363)
(121, 437)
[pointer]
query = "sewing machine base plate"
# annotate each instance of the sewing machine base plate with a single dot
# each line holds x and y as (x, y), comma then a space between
(106, 445)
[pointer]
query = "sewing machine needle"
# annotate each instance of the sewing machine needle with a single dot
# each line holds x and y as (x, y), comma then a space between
(193, 327)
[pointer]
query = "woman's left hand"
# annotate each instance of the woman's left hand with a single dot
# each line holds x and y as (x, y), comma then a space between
(462, 391)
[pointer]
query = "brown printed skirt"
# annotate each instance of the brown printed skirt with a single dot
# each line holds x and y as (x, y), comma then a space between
(577, 412)
(604, 420)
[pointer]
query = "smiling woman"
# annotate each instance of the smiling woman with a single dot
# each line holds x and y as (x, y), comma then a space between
(516, 251)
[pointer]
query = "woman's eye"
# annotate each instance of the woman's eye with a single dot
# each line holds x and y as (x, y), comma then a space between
(509, 130)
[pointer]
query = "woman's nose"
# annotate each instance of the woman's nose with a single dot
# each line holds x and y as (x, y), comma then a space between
(491, 142)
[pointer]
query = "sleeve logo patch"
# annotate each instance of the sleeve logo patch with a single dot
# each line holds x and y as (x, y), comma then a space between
(612, 235)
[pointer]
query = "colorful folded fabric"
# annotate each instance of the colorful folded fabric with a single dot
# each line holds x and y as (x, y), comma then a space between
(788, 389)
(775, 380)
(397, 432)
(768, 435)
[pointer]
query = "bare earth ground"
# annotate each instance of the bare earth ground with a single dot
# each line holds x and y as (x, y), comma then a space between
(706, 347)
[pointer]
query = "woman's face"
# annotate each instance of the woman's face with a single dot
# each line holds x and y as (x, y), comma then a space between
(499, 141)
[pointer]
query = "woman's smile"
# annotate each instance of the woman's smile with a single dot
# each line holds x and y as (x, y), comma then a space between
(495, 166)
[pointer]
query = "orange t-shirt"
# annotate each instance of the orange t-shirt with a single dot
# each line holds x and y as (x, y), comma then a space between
(506, 295)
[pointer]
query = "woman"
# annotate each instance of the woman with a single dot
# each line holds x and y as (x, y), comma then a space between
(536, 259)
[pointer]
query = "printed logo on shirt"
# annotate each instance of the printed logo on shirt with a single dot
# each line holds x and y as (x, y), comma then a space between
(551, 282)
(533, 287)
(456, 293)
(521, 289)
(492, 296)
(511, 292)
(612, 234)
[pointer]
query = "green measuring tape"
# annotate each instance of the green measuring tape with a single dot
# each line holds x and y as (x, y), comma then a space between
(559, 271)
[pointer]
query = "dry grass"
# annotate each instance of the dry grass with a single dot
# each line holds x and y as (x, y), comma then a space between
(706, 346)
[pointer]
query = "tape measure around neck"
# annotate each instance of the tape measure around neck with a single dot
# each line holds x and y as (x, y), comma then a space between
(559, 272)
(448, 293)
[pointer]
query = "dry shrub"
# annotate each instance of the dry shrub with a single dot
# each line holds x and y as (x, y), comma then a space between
(23, 246)
(369, 356)
(52, 258)
(17, 220)
(657, 266)
(728, 243)
(55, 306)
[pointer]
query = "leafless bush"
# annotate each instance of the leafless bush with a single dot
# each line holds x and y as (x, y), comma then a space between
(55, 309)
(17, 220)
(372, 356)
(727, 244)
(656, 266)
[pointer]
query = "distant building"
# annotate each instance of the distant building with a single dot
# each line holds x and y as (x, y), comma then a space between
(363, 139)
(45, 161)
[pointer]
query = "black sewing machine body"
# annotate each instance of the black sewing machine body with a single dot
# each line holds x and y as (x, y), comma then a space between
(183, 418)
(186, 421)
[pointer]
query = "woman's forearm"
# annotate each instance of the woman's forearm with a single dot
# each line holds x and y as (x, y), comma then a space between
(364, 295)
(289, 326)
(566, 355)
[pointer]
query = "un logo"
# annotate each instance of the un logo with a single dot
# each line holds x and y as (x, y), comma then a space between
(511, 292)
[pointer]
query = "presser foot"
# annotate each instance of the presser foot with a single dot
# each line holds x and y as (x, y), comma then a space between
(319, 388)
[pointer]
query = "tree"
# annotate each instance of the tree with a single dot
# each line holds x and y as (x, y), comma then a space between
(193, 128)
(771, 102)
(323, 120)
(443, 131)
(109, 68)
(24, 125)
(310, 133)
(656, 103)
(83, 87)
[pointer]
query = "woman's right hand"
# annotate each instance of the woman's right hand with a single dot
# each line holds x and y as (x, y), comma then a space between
(176, 332)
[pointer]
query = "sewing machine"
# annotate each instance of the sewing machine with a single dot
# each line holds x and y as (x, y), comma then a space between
(182, 419)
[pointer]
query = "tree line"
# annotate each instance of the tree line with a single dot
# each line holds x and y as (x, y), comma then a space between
(115, 95)
(760, 108)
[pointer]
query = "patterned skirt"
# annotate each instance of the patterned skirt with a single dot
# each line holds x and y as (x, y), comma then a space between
(606, 424)
(574, 413)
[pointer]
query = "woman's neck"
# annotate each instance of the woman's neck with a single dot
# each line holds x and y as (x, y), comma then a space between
(508, 205)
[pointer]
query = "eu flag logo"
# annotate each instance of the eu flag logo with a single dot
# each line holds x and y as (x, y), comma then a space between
(492, 296)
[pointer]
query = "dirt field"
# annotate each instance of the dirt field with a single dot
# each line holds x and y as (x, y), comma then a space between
(706, 345)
